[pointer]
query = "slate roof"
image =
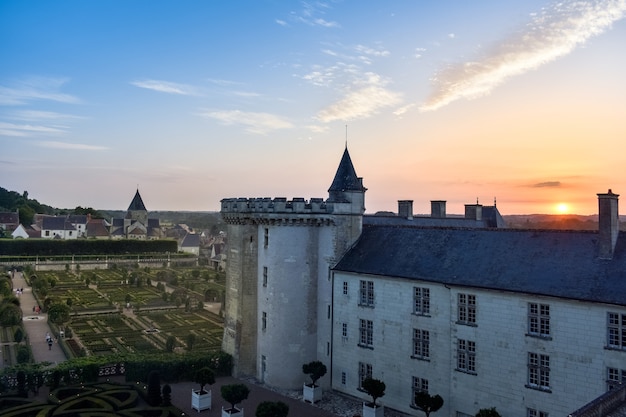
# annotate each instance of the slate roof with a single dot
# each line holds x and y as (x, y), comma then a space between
(56, 223)
(9, 218)
(137, 203)
(345, 177)
(552, 263)
(190, 241)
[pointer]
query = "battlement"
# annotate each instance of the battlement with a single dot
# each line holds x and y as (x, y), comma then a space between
(278, 205)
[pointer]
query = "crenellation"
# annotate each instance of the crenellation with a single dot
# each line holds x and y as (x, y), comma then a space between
(267, 205)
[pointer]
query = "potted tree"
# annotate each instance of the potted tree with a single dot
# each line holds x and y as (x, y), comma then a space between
(234, 394)
(428, 403)
(201, 399)
(376, 389)
(312, 392)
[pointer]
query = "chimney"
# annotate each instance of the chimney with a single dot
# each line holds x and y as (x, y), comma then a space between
(405, 209)
(608, 224)
(438, 209)
(474, 211)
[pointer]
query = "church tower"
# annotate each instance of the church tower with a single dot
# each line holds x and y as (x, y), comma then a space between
(137, 210)
(278, 288)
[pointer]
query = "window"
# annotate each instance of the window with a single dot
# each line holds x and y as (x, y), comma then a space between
(467, 309)
(264, 321)
(345, 288)
(328, 311)
(366, 330)
(344, 330)
(266, 237)
(616, 329)
(421, 301)
(466, 356)
(419, 385)
(538, 371)
(539, 319)
(365, 371)
(265, 276)
(531, 412)
(367, 293)
(421, 344)
(343, 378)
(614, 378)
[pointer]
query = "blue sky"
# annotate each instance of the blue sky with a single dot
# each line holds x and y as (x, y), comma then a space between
(195, 101)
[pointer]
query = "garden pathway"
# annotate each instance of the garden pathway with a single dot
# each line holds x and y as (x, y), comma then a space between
(36, 325)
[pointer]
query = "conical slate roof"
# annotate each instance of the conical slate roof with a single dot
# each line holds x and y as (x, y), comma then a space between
(137, 203)
(345, 178)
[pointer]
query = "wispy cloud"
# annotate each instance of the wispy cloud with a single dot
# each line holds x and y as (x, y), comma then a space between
(37, 115)
(31, 89)
(72, 146)
(311, 14)
(548, 184)
(255, 122)
(167, 87)
(553, 33)
(361, 100)
(24, 130)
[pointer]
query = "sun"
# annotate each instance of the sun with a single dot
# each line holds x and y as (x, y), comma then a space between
(562, 208)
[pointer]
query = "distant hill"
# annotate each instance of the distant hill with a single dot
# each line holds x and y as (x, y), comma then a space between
(556, 221)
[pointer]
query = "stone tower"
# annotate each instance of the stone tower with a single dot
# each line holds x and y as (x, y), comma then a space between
(137, 210)
(278, 288)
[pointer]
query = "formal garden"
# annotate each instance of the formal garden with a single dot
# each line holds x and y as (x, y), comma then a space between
(126, 310)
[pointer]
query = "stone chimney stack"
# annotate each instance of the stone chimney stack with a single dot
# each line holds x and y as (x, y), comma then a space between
(405, 209)
(438, 209)
(474, 211)
(608, 224)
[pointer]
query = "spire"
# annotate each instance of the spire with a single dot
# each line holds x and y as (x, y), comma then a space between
(345, 178)
(137, 203)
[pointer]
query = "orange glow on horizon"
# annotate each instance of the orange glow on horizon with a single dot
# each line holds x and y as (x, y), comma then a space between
(562, 208)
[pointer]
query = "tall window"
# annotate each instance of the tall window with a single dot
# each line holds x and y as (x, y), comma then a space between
(539, 319)
(531, 412)
(421, 300)
(343, 378)
(345, 288)
(467, 308)
(419, 385)
(266, 237)
(421, 344)
(538, 371)
(265, 276)
(344, 330)
(366, 329)
(365, 371)
(366, 292)
(614, 378)
(466, 356)
(264, 321)
(616, 329)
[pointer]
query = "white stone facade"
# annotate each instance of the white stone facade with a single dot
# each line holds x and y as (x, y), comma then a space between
(576, 348)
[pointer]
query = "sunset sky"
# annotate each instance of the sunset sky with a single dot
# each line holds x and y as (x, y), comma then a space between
(195, 101)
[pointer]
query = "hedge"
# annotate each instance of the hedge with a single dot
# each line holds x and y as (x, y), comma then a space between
(45, 247)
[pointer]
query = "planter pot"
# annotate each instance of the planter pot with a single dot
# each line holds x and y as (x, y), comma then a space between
(369, 411)
(311, 394)
(199, 401)
(232, 413)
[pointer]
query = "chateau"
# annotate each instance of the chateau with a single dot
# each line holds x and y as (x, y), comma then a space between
(532, 322)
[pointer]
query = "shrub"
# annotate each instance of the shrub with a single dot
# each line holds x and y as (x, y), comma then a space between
(315, 370)
(167, 395)
(204, 376)
(488, 412)
(272, 409)
(428, 403)
(234, 394)
(375, 388)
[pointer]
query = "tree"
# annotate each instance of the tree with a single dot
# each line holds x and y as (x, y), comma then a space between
(191, 339)
(315, 370)
(18, 335)
(154, 388)
(488, 412)
(375, 388)
(204, 376)
(234, 394)
(167, 395)
(428, 403)
(170, 343)
(59, 313)
(10, 314)
(272, 409)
